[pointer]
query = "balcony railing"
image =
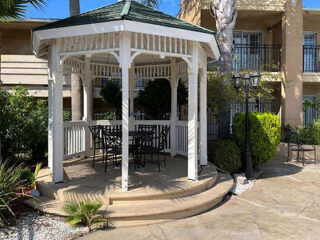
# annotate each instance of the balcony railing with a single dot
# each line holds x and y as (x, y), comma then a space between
(311, 58)
(257, 57)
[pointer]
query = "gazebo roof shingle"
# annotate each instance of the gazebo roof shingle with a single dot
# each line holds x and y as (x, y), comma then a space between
(125, 10)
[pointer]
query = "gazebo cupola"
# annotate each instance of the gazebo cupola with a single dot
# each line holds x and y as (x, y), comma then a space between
(130, 41)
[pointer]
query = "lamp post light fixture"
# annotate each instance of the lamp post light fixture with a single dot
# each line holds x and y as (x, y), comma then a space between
(253, 81)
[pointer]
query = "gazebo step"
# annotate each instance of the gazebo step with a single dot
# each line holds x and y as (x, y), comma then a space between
(126, 213)
(173, 193)
(172, 208)
(78, 192)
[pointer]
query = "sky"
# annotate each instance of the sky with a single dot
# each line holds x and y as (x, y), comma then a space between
(59, 8)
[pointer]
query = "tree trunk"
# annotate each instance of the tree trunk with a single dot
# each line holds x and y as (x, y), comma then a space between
(74, 7)
(76, 86)
(225, 14)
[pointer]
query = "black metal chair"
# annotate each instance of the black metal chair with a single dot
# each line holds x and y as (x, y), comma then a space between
(113, 145)
(149, 131)
(295, 144)
(98, 141)
(156, 144)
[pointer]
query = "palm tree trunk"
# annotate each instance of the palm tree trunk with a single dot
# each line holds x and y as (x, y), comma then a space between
(225, 13)
(74, 7)
(76, 86)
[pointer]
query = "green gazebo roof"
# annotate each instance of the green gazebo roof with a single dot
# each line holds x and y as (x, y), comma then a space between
(125, 10)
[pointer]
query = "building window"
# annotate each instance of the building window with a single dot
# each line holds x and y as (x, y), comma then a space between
(310, 113)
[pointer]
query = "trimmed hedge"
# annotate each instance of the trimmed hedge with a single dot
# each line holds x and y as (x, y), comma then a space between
(225, 154)
(265, 133)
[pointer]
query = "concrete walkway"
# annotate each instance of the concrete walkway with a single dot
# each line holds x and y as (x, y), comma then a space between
(283, 204)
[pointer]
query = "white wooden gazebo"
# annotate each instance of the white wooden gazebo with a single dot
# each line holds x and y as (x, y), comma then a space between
(130, 41)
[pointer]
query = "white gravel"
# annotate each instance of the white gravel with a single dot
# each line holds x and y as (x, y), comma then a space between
(239, 189)
(36, 226)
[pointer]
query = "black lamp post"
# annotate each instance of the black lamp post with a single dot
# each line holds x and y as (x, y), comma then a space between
(254, 82)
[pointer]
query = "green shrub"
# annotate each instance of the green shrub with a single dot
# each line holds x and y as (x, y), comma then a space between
(225, 154)
(11, 180)
(83, 213)
(309, 134)
(265, 133)
(23, 125)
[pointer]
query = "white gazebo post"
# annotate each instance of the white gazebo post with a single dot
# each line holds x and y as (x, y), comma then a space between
(203, 112)
(132, 84)
(193, 114)
(173, 120)
(125, 54)
(55, 137)
(87, 102)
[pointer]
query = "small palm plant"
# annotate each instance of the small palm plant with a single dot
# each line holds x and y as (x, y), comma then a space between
(83, 213)
(35, 174)
(10, 183)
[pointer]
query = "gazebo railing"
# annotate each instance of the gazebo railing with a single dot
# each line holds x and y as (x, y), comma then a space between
(74, 138)
(74, 135)
(182, 138)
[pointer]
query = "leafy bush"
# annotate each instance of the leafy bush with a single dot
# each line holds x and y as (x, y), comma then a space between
(309, 134)
(155, 98)
(83, 213)
(11, 180)
(225, 154)
(23, 125)
(265, 132)
(112, 96)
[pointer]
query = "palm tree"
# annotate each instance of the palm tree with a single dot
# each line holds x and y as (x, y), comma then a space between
(84, 213)
(225, 14)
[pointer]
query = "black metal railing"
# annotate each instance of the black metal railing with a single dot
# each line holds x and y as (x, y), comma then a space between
(257, 57)
(311, 58)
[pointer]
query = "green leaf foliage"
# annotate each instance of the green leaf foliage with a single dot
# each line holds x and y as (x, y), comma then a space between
(83, 213)
(226, 155)
(23, 124)
(309, 134)
(155, 98)
(11, 180)
(112, 96)
(265, 133)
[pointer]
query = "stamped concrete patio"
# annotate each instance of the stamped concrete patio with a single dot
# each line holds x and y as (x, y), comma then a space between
(283, 204)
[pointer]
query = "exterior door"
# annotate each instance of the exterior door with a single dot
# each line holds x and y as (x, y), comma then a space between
(248, 50)
(310, 63)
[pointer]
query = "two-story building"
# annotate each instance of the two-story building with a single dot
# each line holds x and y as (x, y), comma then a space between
(280, 39)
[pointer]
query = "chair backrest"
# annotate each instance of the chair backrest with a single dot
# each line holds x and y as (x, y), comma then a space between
(97, 135)
(112, 136)
(96, 131)
(293, 138)
(147, 128)
(163, 137)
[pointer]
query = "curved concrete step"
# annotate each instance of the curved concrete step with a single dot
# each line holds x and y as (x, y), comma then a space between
(126, 213)
(63, 192)
(172, 208)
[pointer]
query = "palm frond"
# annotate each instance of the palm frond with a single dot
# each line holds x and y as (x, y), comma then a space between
(151, 3)
(71, 208)
(10, 9)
